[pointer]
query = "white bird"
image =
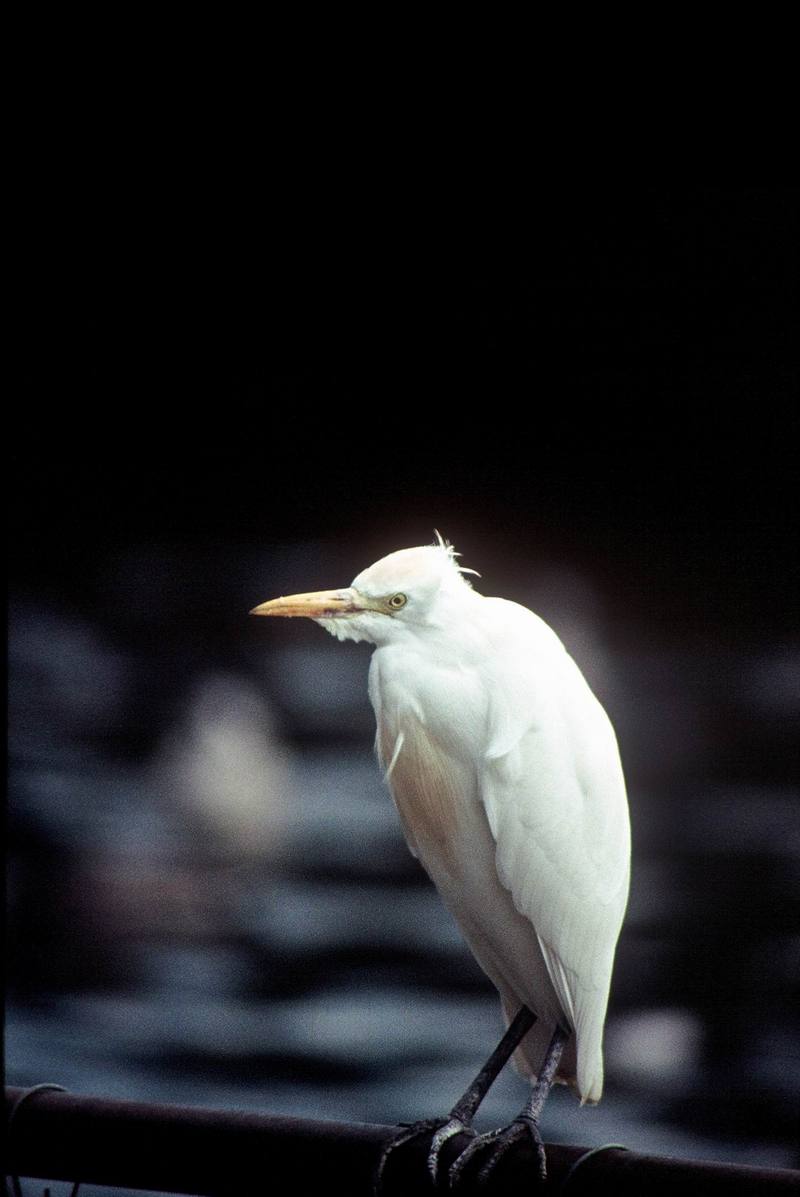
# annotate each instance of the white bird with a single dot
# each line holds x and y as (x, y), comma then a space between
(505, 771)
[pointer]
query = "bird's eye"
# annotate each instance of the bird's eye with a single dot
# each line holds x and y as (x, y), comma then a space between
(397, 601)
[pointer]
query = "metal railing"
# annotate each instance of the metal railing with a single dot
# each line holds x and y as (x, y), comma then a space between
(54, 1135)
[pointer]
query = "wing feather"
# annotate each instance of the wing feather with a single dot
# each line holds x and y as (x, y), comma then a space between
(555, 800)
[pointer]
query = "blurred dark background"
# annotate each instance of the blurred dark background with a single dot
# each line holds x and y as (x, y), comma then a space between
(229, 393)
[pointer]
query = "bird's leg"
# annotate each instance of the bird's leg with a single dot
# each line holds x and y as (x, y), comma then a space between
(462, 1113)
(525, 1125)
(459, 1119)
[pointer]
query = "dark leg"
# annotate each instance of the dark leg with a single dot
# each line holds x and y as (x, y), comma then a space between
(462, 1113)
(460, 1117)
(525, 1125)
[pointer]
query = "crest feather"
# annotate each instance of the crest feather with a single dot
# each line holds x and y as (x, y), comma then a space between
(452, 554)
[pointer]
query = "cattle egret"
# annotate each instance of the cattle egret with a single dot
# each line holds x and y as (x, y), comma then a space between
(505, 771)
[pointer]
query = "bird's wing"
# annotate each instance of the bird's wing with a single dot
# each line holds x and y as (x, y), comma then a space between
(552, 785)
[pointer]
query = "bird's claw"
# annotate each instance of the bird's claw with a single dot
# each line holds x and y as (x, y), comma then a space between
(453, 1126)
(498, 1142)
(442, 1129)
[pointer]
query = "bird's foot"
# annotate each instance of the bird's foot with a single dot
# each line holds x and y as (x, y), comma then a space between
(442, 1129)
(497, 1143)
(446, 1130)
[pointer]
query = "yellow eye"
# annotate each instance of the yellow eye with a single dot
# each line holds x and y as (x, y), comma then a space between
(397, 601)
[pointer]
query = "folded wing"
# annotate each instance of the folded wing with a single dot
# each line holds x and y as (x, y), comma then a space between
(554, 794)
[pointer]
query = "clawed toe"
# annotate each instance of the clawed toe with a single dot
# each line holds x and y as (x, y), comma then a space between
(443, 1129)
(409, 1132)
(453, 1126)
(494, 1145)
(497, 1144)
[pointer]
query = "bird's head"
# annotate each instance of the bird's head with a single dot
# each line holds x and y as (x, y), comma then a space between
(406, 591)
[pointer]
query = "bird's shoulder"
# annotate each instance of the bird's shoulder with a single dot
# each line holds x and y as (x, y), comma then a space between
(512, 627)
(534, 686)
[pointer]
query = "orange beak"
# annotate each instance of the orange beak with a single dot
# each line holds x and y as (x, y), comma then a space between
(320, 604)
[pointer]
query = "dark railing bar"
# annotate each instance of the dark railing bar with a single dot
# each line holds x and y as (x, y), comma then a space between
(219, 1153)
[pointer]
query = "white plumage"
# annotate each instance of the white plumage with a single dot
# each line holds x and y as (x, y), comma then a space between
(506, 774)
